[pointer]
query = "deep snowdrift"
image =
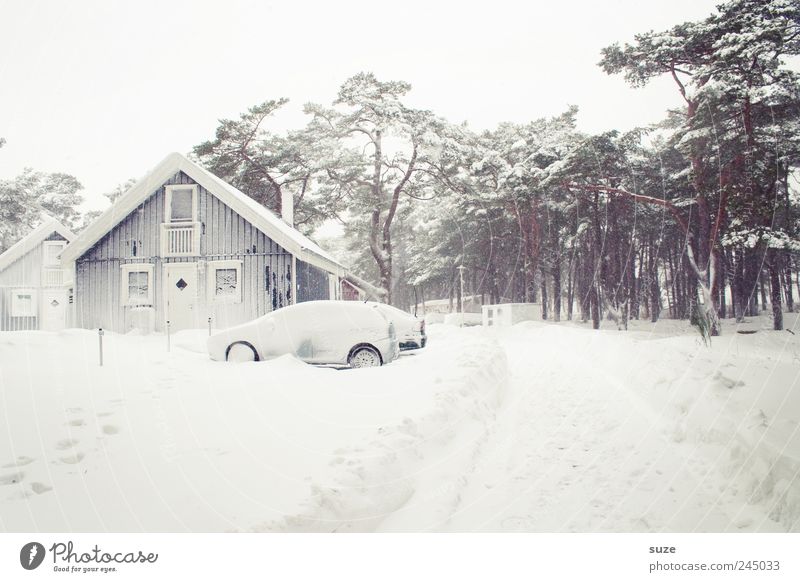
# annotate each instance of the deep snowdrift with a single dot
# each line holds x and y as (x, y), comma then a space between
(736, 403)
(171, 442)
(645, 430)
(540, 427)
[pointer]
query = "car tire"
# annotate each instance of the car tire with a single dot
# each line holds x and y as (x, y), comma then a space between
(364, 357)
(241, 352)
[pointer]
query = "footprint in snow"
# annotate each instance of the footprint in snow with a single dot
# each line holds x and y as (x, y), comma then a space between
(11, 478)
(110, 429)
(40, 488)
(65, 444)
(77, 422)
(72, 459)
(103, 414)
(728, 383)
(20, 462)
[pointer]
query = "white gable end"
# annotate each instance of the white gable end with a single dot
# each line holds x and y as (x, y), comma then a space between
(263, 219)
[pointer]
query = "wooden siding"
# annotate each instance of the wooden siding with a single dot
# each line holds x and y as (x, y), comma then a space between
(224, 235)
(25, 272)
(312, 283)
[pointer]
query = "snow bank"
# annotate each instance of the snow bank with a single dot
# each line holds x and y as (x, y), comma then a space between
(735, 406)
(645, 430)
(463, 319)
(414, 460)
(158, 441)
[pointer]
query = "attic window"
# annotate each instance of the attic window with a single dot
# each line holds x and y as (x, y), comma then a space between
(52, 250)
(180, 203)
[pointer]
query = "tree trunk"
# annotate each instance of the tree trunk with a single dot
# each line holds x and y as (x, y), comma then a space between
(775, 290)
(544, 293)
(557, 287)
(457, 286)
(740, 299)
(751, 272)
(633, 292)
(788, 284)
(570, 297)
(642, 292)
(655, 290)
(594, 304)
(723, 270)
(672, 285)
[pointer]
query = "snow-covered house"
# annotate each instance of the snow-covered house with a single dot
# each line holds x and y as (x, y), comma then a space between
(182, 246)
(33, 286)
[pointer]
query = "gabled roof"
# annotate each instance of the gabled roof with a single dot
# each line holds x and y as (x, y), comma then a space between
(265, 220)
(22, 247)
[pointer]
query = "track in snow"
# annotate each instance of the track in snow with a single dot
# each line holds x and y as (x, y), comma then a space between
(577, 450)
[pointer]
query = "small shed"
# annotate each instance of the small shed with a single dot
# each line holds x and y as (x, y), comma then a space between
(471, 304)
(34, 288)
(507, 314)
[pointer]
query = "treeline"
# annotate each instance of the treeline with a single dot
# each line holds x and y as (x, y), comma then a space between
(695, 217)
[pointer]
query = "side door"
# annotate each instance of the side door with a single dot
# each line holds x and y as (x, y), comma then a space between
(54, 309)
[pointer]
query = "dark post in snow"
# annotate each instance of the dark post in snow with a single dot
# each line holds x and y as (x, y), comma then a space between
(209, 326)
(100, 336)
(168, 335)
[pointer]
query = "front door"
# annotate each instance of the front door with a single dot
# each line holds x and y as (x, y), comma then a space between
(180, 295)
(54, 309)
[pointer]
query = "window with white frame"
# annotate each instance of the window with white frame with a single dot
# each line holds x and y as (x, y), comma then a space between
(225, 281)
(52, 250)
(23, 303)
(137, 284)
(180, 203)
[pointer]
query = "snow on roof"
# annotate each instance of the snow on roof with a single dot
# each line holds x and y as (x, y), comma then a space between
(262, 218)
(47, 226)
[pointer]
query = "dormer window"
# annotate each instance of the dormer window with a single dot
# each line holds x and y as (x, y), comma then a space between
(181, 203)
(52, 273)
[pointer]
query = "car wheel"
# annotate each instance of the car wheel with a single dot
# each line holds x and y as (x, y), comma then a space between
(364, 357)
(241, 352)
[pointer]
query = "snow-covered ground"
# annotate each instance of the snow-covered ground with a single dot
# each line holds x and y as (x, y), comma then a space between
(540, 427)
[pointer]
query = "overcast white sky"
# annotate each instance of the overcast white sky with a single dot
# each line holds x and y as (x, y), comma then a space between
(103, 90)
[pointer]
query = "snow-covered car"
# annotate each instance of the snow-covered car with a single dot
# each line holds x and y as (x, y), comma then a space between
(410, 329)
(317, 332)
